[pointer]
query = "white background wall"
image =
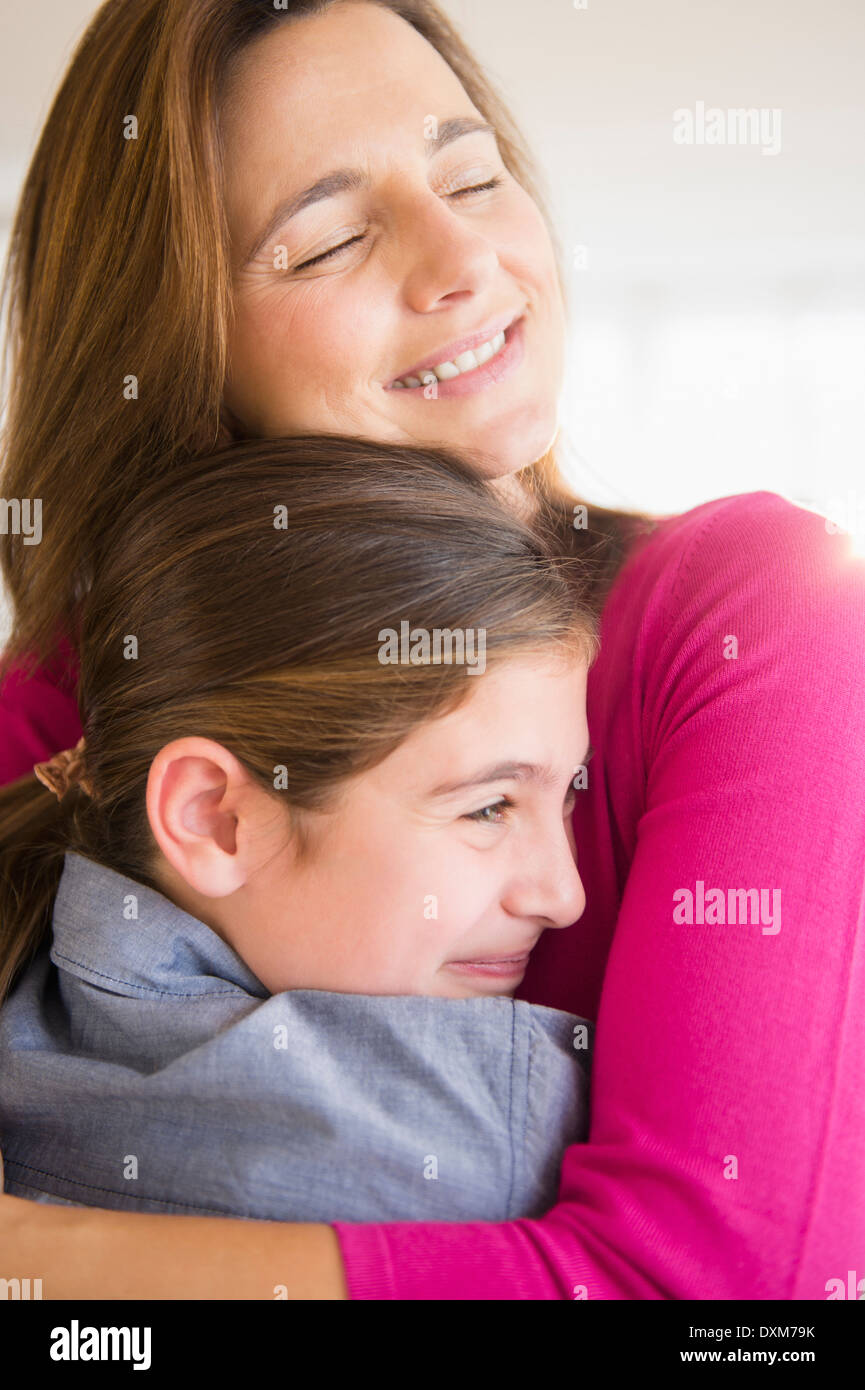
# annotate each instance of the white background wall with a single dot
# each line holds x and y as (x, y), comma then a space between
(718, 333)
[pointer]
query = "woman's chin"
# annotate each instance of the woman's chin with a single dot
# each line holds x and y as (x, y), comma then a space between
(519, 450)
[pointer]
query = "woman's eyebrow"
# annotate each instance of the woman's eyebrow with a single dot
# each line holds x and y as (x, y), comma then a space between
(350, 180)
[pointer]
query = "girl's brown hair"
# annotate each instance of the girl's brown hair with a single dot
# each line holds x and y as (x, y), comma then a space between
(119, 267)
(259, 625)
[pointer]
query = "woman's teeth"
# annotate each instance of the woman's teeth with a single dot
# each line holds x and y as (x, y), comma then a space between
(466, 362)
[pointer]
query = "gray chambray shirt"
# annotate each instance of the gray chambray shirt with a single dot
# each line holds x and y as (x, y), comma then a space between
(144, 1067)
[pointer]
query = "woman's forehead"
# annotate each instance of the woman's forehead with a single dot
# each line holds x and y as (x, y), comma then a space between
(348, 56)
(307, 99)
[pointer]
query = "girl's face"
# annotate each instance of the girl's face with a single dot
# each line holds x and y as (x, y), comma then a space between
(457, 848)
(352, 146)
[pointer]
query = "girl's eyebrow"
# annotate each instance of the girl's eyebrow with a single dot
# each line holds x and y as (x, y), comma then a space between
(516, 772)
(350, 180)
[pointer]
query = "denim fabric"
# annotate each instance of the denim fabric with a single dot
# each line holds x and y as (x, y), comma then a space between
(144, 1067)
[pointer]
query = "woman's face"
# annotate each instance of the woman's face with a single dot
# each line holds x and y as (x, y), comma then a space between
(456, 848)
(424, 255)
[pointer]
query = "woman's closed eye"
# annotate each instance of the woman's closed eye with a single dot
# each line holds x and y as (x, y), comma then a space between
(344, 245)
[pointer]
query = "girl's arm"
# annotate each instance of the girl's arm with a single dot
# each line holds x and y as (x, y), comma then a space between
(727, 1151)
(38, 712)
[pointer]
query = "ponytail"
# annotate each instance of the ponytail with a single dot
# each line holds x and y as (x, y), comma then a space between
(35, 831)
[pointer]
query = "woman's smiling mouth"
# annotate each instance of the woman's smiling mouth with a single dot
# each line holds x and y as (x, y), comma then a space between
(476, 364)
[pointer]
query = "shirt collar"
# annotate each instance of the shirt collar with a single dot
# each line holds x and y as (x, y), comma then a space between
(121, 935)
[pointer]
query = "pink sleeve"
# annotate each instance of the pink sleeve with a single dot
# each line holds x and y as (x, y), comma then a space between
(38, 712)
(726, 1157)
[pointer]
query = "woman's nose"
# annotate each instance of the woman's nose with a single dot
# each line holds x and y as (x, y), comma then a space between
(440, 253)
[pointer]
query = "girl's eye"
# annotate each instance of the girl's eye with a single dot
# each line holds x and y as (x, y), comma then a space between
(343, 246)
(480, 817)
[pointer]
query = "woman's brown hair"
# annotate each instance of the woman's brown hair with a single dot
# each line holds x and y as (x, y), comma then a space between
(260, 626)
(119, 268)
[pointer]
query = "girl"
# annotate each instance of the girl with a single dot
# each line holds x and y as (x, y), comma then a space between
(298, 884)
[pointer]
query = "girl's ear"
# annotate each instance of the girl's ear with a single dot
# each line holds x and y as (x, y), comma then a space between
(199, 799)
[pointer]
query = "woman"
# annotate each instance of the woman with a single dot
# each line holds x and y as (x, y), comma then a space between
(361, 235)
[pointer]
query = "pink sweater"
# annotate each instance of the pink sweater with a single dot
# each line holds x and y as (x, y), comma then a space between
(726, 1157)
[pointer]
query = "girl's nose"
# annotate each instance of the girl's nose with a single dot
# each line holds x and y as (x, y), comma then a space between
(549, 888)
